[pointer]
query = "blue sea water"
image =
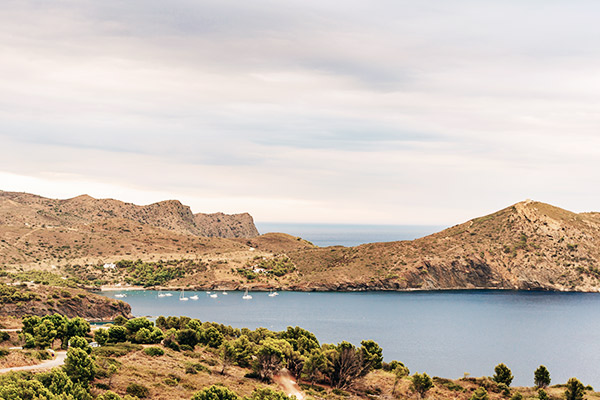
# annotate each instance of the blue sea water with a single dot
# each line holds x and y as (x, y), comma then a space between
(445, 333)
(349, 235)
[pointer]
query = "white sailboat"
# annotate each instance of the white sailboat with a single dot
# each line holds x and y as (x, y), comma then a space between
(214, 296)
(120, 295)
(182, 296)
(168, 294)
(225, 293)
(272, 293)
(246, 296)
(194, 297)
(160, 293)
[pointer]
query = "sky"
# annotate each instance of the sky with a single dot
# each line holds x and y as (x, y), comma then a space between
(373, 112)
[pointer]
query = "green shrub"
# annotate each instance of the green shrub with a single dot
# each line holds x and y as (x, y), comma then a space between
(135, 389)
(154, 351)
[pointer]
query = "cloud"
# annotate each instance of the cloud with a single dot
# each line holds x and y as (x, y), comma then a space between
(382, 111)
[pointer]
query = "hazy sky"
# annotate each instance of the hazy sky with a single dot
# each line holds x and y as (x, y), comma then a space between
(397, 112)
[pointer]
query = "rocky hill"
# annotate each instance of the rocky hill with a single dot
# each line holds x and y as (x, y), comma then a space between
(529, 245)
(24, 209)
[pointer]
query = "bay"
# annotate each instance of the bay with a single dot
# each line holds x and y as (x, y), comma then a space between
(443, 333)
(324, 235)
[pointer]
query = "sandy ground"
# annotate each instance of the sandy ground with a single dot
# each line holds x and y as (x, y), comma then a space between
(289, 385)
(48, 364)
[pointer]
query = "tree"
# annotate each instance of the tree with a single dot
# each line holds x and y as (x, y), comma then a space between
(101, 336)
(542, 395)
(79, 366)
(269, 358)
(372, 354)
(400, 371)
(80, 343)
(315, 364)
(541, 377)
(215, 393)
(117, 334)
(480, 394)
(502, 374)
(574, 390)
(244, 350)
(228, 355)
(212, 337)
(421, 383)
(187, 337)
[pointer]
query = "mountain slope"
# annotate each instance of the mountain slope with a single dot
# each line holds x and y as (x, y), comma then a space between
(529, 245)
(18, 209)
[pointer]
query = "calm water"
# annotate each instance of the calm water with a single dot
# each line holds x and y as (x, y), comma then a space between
(442, 333)
(349, 235)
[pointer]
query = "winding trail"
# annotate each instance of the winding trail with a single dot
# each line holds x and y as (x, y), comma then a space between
(290, 387)
(47, 364)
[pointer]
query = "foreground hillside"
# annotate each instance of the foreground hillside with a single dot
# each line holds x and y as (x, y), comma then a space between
(529, 245)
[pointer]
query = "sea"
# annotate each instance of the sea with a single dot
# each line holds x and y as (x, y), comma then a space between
(449, 334)
(444, 333)
(324, 235)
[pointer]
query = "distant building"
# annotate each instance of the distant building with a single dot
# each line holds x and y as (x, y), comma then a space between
(110, 266)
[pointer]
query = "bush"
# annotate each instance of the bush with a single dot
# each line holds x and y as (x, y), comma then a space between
(480, 394)
(116, 350)
(542, 395)
(421, 383)
(154, 351)
(517, 396)
(135, 389)
(215, 393)
(4, 352)
(4, 336)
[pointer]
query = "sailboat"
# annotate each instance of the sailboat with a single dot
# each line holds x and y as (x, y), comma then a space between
(272, 293)
(160, 293)
(214, 295)
(182, 296)
(120, 295)
(224, 293)
(168, 294)
(194, 297)
(246, 296)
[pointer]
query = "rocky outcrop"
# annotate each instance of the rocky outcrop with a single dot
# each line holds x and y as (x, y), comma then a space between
(68, 302)
(226, 226)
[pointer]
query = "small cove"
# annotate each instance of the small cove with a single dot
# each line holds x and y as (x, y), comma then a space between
(444, 333)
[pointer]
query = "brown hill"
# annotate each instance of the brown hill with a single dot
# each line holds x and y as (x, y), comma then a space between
(23, 209)
(530, 245)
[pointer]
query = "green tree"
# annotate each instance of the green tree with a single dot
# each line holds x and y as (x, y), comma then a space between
(421, 383)
(117, 334)
(269, 357)
(212, 337)
(315, 365)
(187, 337)
(79, 366)
(244, 349)
(400, 371)
(80, 343)
(101, 336)
(480, 394)
(541, 377)
(575, 390)
(215, 393)
(108, 395)
(135, 324)
(542, 395)
(372, 354)
(502, 374)
(228, 355)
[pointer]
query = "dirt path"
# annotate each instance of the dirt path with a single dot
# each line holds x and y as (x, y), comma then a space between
(57, 361)
(290, 387)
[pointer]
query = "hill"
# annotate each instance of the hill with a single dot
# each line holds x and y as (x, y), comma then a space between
(529, 245)
(24, 209)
